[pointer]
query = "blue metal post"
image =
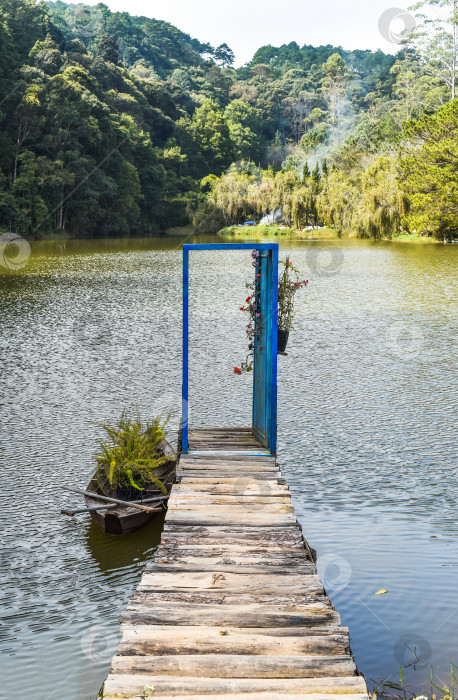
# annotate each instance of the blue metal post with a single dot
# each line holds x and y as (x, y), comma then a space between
(273, 403)
(185, 388)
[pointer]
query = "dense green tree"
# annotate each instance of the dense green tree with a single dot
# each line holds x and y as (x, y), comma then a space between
(430, 171)
(243, 122)
(107, 49)
(109, 123)
(210, 130)
(224, 55)
(436, 35)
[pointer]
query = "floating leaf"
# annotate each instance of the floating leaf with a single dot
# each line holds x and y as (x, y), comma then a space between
(382, 592)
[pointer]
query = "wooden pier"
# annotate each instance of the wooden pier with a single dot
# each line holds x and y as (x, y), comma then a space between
(232, 606)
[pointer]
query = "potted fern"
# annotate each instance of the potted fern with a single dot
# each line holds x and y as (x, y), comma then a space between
(134, 463)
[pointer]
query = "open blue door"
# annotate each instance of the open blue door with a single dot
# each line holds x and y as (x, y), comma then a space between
(265, 351)
(265, 344)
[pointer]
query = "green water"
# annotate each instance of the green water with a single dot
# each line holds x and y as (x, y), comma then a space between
(367, 437)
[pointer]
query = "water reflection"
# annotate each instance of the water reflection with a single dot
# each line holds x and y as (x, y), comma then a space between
(367, 437)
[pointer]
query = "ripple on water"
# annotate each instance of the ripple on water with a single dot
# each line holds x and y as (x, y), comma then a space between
(367, 439)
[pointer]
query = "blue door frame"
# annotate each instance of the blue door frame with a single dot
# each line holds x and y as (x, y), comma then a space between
(265, 359)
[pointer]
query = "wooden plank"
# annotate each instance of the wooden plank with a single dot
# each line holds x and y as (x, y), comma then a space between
(236, 665)
(146, 597)
(318, 631)
(217, 553)
(228, 616)
(243, 696)
(235, 457)
(266, 537)
(211, 640)
(204, 430)
(230, 563)
(127, 685)
(231, 497)
(210, 476)
(216, 442)
(184, 569)
(249, 520)
(230, 453)
(228, 466)
(226, 480)
(272, 534)
(207, 581)
(232, 544)
(232, 509)
(253, 488)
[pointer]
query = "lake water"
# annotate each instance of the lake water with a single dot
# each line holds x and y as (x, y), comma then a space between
(367, 438)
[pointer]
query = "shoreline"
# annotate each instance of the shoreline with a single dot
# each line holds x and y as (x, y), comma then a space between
(259, 232)
(246, 233)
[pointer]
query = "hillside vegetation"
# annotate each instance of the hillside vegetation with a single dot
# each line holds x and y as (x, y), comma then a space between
(112, 124)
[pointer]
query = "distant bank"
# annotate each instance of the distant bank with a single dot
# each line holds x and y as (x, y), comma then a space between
(257, 232)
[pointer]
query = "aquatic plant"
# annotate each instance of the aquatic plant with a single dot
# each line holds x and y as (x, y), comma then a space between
(388, 690)
(128, 459)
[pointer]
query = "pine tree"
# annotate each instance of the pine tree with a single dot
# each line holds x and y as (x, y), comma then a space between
(316, 175)
(305, 173)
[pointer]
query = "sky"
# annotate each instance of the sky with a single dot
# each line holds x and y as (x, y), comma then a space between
(248, 24)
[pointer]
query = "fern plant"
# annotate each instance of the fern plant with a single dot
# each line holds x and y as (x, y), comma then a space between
(130, 456)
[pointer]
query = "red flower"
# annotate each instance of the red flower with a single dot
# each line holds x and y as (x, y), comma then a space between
(237, 370)
(248, 299)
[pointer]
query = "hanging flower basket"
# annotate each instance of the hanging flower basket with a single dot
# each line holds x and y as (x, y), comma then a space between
(289, 284)
(282, 340)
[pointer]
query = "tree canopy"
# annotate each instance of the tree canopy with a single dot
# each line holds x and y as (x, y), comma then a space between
(113, 124)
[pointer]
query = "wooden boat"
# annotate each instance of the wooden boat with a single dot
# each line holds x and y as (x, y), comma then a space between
(119, 520)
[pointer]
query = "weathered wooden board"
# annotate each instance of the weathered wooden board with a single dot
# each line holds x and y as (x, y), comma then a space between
(125, 686)
(250, 490)
(232, 583)
(200, 640)
(196, 498)
(227, 616)
(219, 465)
(232, 509)
(227, 518)
(164, 566)
(239, 696)
(210, 476)
(272, 534)
(231, 606)
(147, 597)
(237, 665)
(185, 552)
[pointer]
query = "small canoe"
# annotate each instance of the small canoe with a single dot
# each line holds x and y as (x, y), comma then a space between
(120, 520)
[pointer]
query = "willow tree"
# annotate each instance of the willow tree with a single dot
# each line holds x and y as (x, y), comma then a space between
(285, 185)
(337, 202)
(383, 205)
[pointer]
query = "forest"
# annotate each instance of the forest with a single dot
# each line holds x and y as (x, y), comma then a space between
(118, 125)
